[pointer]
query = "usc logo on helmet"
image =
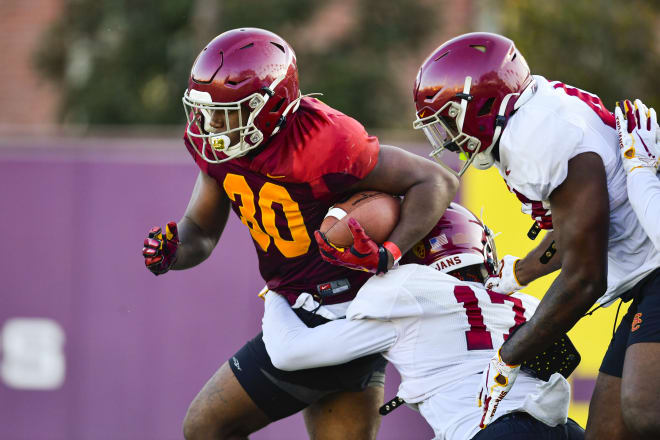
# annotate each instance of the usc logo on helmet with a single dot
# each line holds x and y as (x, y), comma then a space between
(637, 321)
(419, 250)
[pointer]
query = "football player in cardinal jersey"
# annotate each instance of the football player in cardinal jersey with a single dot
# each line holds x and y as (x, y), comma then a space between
(439, 326)
(556, 148)
(279, 160)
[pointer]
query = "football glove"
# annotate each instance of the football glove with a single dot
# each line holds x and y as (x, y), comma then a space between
(160, 252)
(364, 254)
(505, 281)
(496, 381)
(638, 131)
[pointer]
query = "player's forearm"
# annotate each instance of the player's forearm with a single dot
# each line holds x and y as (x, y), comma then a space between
(423, 204)
(293, 346)
(203, 222)
(531, 268)
(644, 195)
(567, 300)
(281, 329)
(581, 236)
(195, 246)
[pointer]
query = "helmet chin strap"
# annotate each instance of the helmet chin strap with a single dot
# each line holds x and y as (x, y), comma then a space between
(526, 94)
(511, 102)
(465, 99)
(292, 107)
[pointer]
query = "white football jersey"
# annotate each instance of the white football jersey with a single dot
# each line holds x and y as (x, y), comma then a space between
(447, 331)
(556, 124)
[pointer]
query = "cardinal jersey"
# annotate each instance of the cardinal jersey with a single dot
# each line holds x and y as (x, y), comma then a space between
(283, 193)
(556, 124)
(447, 330)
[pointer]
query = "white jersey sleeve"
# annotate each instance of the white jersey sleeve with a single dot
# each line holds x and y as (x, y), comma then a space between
(292, 345)
(536, 161)
(387, 296)
(644, 196)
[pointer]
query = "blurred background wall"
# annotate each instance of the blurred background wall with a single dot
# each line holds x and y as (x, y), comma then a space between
(92, 346)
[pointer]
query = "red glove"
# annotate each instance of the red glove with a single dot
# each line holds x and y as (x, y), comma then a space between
(160, 253)
(365, 254)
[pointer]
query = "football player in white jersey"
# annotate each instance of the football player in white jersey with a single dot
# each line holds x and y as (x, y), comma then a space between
(556, 147)
(438, 326)
(639, 142)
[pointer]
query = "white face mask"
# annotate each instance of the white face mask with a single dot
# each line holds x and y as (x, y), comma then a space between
(200, 111)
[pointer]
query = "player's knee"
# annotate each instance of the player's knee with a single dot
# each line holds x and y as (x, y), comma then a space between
(370, 430)
(366, 431)
(198, 426)
(641, 420)
(190, 430)
(365, 427)
(194, 427)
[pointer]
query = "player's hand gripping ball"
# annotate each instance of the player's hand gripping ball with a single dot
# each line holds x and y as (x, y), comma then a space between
(377, 212)
(638, 131)
(160, 252)
(496, 381)
(364, 254)
(354, 231)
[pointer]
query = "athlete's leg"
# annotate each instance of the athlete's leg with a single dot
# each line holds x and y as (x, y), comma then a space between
(640, 391)
(345, 415)
(605, 418)
(640, 383)
(248, 392)
(222, 410)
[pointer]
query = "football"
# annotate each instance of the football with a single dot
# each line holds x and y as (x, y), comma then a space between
(377, 212)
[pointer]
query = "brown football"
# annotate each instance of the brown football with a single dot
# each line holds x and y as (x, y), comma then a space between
(377, 212)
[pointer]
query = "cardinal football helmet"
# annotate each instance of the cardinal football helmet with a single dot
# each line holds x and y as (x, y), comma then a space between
(464, 93)
(250, 72)
(458, 240)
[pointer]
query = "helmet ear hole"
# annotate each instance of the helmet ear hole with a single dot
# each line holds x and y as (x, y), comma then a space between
(486, 108)
(278, 106)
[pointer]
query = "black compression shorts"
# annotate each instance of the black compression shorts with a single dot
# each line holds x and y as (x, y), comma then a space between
(640, 324)
(282, 393)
